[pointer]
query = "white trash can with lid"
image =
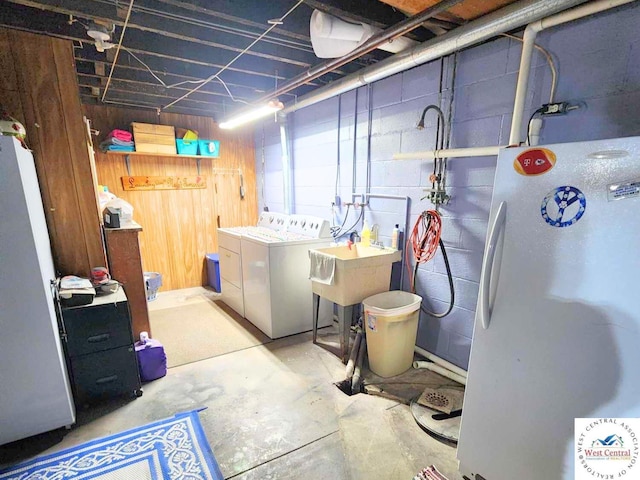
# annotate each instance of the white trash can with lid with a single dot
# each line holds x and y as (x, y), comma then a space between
(391, 326)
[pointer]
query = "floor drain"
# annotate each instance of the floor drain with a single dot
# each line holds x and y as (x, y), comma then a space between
(345, 387)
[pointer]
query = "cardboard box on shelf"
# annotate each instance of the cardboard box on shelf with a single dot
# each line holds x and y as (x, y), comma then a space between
(153, 138)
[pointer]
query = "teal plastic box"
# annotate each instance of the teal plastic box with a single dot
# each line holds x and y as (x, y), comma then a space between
(209, 148)
(187, 147)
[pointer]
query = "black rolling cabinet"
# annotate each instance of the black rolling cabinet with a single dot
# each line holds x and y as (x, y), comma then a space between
(100, 351)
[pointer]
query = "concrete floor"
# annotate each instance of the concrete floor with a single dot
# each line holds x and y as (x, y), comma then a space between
(272, 411)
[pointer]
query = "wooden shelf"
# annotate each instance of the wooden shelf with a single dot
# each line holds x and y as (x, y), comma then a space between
(148, 154)
(128, 155)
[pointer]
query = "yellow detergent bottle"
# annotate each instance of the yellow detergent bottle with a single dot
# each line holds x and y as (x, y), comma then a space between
(365, 235)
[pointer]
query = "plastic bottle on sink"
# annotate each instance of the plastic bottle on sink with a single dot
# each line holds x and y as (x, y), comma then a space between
(365, 235)
(394, 236)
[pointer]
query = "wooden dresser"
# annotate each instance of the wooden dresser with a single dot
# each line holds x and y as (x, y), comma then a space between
(125, 266)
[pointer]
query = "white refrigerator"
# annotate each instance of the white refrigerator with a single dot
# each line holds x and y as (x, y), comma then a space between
(35, 395)
(557, 331)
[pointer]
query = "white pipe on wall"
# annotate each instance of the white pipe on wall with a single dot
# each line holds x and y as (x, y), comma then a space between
(287, 170)
(450, 153)
(441, 371)
(440, 361)
(528, 41)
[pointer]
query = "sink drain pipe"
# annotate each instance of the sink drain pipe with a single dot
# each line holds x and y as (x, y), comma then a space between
(351, 364)
(356, 381)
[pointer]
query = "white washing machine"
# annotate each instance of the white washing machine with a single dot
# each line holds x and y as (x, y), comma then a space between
(231, 262)
(275, 276)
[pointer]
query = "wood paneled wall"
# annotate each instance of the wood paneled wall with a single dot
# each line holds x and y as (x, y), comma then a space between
(38, 86)
(179, 226)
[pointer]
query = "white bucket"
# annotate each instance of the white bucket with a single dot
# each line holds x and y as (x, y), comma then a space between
(391, 326)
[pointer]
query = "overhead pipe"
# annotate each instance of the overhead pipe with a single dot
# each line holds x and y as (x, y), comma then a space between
(528, 44)
(529, 38)
(374, 42)
(503, 20)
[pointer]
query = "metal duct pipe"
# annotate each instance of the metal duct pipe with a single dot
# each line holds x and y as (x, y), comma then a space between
(374, 42)
(507, 18)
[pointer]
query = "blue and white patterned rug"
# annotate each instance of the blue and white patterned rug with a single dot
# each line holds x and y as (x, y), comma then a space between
(171, 449)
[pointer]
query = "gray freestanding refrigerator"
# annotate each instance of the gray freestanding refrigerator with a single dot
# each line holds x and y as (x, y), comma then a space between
(557, 333)
(35, 395)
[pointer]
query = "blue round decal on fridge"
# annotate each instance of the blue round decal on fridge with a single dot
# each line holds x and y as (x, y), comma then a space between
(567, 207)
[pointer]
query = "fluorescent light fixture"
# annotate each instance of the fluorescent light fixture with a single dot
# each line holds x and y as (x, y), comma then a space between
(255, 114)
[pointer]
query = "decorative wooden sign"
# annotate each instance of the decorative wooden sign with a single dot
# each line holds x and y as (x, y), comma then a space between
(164, 183)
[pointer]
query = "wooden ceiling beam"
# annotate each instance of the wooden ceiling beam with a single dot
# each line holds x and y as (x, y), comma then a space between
(84, 67)
(158, 100)
(181, 27)
(133, 102)
(56, 25)
(170, 66)
(241, 17)
(118, 83)
(464, 11)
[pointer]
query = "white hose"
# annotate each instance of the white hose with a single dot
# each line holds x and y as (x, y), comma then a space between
(440, 370)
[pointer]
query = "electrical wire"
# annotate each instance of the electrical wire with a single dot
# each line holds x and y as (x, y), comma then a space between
(115, 58)
(423, 243)
(181, 83)
(547, 55)
(215, 75)
(540, 110)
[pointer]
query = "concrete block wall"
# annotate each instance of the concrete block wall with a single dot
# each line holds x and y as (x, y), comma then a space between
(598, 60)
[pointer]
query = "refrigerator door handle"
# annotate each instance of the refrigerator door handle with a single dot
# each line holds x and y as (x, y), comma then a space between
(487, 265)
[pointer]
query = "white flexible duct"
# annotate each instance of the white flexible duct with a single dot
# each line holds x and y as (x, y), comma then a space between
(507, 18)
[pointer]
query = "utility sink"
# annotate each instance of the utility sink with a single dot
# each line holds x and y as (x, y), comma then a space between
(360, 272)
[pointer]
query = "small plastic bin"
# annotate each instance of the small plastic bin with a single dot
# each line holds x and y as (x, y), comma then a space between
(213, 271)
(209, 148)
(391, 326)
(153, 281)
(187, 147)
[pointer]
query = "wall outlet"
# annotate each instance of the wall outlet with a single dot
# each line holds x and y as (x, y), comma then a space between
(557, 108)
